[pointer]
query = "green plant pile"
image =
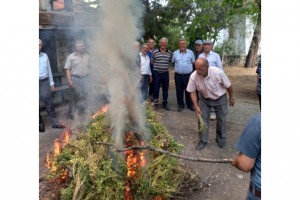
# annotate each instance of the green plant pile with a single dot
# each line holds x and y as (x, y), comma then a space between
(99, 172)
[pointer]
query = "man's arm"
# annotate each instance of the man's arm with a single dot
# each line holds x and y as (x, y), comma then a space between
(68, 75)
(243, 162)
(194, 100)
(231, 98)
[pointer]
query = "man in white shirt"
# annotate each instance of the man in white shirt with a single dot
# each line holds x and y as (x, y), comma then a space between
(46, 87)
(145, 72)
(214, 60)
(212, 84)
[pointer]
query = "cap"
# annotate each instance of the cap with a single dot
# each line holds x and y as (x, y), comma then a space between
(198, 42)
(207, 42)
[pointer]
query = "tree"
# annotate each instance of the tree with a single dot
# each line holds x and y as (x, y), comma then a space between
(252, 53)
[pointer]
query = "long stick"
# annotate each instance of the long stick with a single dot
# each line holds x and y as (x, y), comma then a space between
(168, 153)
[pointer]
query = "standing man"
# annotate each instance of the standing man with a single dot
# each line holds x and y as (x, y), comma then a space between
(151, 45)
(145, 72)
(197, 52)
(198, 49)
(77, 72)
(46, 87)
(258, 87)
(214, 60)
(249, 157)
(212, 84)
(161, 60)
(184, 60)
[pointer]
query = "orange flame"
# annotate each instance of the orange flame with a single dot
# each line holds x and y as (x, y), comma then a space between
(104, 109)
(58, 144)
(134, 160)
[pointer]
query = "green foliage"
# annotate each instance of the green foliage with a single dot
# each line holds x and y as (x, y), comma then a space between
(99, 171)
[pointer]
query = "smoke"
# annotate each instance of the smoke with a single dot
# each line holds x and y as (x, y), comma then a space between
(115, 64)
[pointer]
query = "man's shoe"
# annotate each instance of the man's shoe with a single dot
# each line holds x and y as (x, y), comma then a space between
(192, 108)
(180, 108)
(42, 128)
(166, 107)
(212, 116)
(58, 125)
(221, 145)
(200, 145)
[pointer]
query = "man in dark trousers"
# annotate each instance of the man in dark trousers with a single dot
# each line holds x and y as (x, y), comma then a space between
(183, 59)
(46, 87)
(212, 84)
(161, 60)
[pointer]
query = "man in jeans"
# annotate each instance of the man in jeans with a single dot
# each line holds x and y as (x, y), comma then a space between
(249, 157)
(212, 84)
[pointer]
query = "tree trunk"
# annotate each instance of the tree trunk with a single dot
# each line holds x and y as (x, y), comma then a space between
(252, 53)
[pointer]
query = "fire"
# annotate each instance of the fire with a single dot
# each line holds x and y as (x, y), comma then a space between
(104, 109)
(58, 144)
(134, 160)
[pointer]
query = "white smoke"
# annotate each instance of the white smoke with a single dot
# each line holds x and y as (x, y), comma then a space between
(115, 56)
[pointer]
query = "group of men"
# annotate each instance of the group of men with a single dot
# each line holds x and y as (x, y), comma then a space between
(77, 73)
(199, 77)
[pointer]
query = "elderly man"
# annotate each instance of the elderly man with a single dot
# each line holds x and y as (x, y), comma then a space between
(212, 84)
(161, 60)
(184, 60)
(151, 45)
(145, 72)
(46, 87)
(198, 49)
(77, 72)
(249, 157)
(214, 60)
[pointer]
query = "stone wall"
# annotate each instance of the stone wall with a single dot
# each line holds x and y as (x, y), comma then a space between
(236, 60)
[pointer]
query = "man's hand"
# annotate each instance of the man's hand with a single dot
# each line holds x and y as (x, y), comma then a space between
(71, 85)
(151, 79)
(52, 88)
(231, 101)
(198, 111)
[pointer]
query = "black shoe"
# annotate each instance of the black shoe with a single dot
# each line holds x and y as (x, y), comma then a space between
(42, 128)
(180, 108)
(200, 145)
(221, 144)
(166, 107)
(191, 108)
(58, 125)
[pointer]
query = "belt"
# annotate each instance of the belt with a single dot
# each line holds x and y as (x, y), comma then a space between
(44, 79)
(255, 191)
(183, 74)
(74, 75)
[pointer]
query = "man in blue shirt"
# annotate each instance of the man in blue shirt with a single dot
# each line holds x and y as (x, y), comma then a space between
(249, 157)
(183, 59)
(46, 86)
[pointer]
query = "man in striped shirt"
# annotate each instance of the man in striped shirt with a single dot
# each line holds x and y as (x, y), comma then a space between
(161, 60)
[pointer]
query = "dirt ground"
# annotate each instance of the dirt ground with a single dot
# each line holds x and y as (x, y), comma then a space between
(222, 181)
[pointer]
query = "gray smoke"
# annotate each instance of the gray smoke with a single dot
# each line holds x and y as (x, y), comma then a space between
(115, 64)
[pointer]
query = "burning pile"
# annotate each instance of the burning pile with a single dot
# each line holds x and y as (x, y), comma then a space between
(100, 171)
